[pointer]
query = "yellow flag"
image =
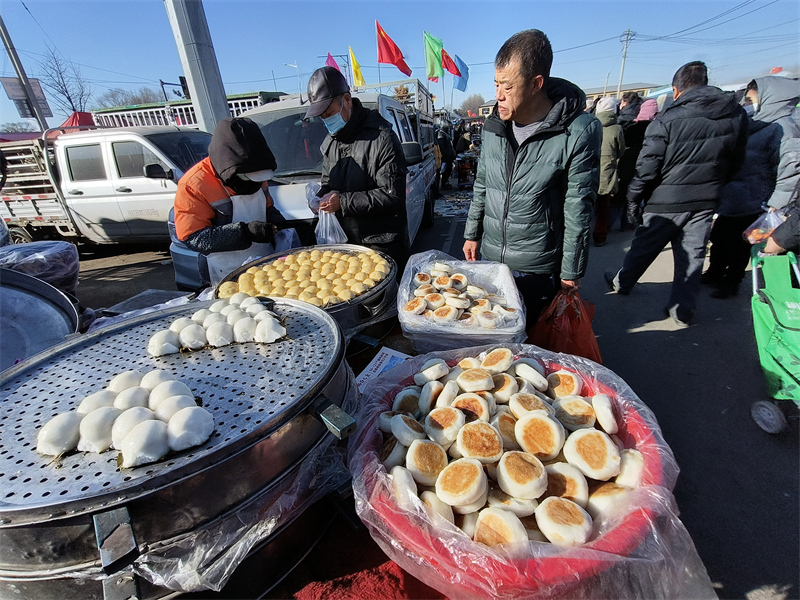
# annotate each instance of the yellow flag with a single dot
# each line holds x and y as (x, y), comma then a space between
(358, 78)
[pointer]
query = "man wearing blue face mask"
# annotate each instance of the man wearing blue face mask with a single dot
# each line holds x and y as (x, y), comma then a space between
(363, 169)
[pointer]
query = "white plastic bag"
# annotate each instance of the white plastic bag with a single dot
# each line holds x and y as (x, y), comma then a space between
(312, 189)
(286, 239)
(328, 230)
(428, 335)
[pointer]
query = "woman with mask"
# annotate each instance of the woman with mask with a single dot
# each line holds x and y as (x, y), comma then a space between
(223, 209)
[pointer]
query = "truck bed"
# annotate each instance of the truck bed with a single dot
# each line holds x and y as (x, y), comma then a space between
(28, 196)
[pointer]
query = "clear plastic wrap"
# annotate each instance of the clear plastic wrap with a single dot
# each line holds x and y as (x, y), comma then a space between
(428, 335)
(56, 263)
(641, 550)
(205, 558)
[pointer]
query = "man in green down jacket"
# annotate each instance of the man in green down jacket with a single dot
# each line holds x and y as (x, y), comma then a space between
(363, 168)
(537, 177)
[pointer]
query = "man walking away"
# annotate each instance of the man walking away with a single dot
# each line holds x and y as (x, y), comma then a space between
(690, 152)
(537, 176)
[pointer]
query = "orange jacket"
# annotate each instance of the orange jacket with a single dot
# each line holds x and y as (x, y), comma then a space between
(203, 201)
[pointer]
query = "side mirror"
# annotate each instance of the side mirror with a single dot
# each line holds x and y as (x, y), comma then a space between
(412, 151)
(156, 171)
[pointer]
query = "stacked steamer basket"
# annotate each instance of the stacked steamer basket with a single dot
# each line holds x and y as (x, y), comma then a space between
(375, 304)
(79, 526)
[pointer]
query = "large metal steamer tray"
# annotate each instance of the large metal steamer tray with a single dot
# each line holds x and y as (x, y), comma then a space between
(269, 402)
(370, 307)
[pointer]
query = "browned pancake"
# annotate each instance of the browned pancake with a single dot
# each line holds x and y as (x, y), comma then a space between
(459, 477)
(429, 458)
(493, 530)
(503, 382)
(506, 423)
(387, 448)
(471, 407)
(442, 418)
(530, 402)
(409, 403)
(575, 413)
(434, 298)
(496, 357)
(475, 375)
(422, 278)
(563, 384)
(538, 438)
(561, 485)
(480, 439)
(607, 488)
(564, 512)
(442, 281)
(592, 448)
(414, 305)
(521, 468)
(445, 312)
(413, 424)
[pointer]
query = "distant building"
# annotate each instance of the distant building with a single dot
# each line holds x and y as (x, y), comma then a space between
(485, 109)
(639, 87)
(180, 112)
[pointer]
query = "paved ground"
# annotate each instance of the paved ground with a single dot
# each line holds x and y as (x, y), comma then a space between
(738, 489)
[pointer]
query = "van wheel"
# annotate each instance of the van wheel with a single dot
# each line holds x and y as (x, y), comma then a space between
(19, 235)
(428, 215)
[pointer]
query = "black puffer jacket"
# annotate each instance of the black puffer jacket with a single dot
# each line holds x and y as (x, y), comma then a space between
(364, 162)
(690, 151)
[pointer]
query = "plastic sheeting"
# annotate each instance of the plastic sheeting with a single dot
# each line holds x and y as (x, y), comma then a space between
(428, 336)
(204, 559)
(56, 263)
(641, 550)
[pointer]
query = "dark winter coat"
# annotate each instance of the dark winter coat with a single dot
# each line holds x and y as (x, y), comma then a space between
(364, 162)
(691, 150)
(626, 167)
(629, 112)
(771, 169)
(445, 146)
(532, 206)
(611, 150)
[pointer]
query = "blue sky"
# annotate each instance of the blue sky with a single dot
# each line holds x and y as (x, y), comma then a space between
(129, 44)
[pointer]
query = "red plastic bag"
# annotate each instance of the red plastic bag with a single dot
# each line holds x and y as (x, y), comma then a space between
(566, 326)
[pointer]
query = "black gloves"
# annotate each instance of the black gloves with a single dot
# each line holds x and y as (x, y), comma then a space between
(261, 232)
(634, 214)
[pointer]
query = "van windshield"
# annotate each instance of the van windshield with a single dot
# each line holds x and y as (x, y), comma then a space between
(294, 142)
(185, 148)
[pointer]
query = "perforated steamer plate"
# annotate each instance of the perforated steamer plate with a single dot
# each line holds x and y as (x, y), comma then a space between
(259, 395)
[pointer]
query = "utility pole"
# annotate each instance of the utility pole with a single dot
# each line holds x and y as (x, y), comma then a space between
(187, 18)
(23, 78)
(605, 87)
(629, 35)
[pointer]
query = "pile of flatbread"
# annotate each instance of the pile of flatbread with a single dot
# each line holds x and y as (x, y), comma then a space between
(505, 451)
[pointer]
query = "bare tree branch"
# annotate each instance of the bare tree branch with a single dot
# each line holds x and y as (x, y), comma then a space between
(471, 104)
(119, 97)
(70, 91)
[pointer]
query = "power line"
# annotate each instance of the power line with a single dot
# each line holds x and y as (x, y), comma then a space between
(722, 14)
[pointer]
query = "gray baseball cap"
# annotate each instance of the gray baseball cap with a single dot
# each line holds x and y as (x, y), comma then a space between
(326, 83)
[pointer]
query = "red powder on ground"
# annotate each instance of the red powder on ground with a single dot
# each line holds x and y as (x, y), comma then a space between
(385, 582)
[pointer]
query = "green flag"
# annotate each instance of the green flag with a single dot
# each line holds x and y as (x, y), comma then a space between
(433, 56)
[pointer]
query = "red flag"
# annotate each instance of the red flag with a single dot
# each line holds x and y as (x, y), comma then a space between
(449, 65)
(389, 53)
